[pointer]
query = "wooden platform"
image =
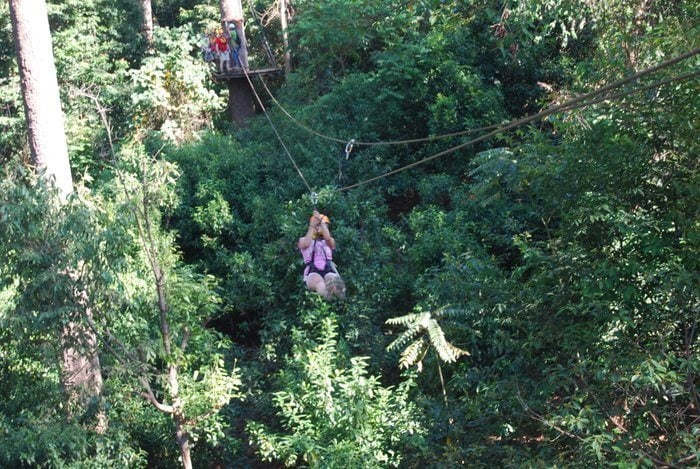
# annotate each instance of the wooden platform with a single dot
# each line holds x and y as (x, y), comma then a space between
(238, 72)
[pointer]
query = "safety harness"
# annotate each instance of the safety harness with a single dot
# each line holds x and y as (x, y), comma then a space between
(326, 267)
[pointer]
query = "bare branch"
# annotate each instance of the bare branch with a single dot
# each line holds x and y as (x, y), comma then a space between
(686, 459)
(148, 394)
(185, 339)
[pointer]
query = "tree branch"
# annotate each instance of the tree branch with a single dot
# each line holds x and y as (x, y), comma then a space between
(185, 339)
(148, 394)
(541, 419)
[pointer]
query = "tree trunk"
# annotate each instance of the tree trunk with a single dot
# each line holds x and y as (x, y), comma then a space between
(285, 37)
(42, 103)
(181, 434)
(231, 10)
(81, 374)
(232, 13)
(242, 44)
(241, 101)
(147, 22)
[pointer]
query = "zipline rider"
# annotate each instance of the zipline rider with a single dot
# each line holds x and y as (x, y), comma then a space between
(317, 248)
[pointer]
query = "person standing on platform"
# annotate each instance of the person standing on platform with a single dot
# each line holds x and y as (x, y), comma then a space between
(241, 47)
(223, 51)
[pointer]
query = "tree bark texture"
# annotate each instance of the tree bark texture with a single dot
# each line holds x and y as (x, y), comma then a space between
(285, 37)
(42, 103)
(243, 46)
(231, 10)
(147, 21)
(241, 101)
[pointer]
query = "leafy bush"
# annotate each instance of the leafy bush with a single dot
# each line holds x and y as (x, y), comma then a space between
(332, 413)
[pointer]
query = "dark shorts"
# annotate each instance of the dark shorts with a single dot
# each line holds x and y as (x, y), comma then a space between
(322, 272)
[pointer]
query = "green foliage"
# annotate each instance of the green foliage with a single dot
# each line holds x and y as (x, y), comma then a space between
(38, 303)
(11, 122)
(334, 414)
(171, 94)
(113, 248)
(35, 440)
(206, 385)
(423, 331)
(326, 55)
(568, 250)
(95, 42)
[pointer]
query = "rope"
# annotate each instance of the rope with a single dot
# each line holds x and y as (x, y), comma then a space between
(569, 105)
(360, 143)
(467, 131)
(289, 155)
(594, 96)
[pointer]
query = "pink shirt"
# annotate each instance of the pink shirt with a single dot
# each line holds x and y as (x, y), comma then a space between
(319, 259)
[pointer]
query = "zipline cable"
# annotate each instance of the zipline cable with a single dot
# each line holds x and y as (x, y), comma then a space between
(289, 155)
(622, 94)
(572, 104)
(481, 129)
(361, 143)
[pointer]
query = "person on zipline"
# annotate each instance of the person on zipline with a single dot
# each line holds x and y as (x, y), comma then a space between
(317, 250)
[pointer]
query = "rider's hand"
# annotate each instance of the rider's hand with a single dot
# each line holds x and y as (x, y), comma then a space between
(315, 219)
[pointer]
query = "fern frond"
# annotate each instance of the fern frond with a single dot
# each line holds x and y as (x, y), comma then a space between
(405, 320)
(457, 352)
(437, 337)
(438, 313)
(417, 324)
(447, 352)
(406, 336)
(413, 354)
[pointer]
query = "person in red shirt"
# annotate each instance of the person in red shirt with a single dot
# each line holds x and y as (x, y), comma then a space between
(223, 52)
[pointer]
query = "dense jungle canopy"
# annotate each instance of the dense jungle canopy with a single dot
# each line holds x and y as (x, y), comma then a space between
(517, 225)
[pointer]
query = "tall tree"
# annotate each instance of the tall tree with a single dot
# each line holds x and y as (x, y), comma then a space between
(231, 10)
(147, 21)
(285, 37)
(42, 104)
(81, 374)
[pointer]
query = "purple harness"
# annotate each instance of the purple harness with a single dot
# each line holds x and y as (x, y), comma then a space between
(327, 268)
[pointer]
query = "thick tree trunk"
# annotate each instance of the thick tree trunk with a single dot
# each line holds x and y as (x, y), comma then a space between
(242, 44)
(231, 10)
(80, 365)
(241, 101)
(232, 13)
(147, 22)
(42, 103)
